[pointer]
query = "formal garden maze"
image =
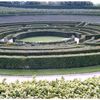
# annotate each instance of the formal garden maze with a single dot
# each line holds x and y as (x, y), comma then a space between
(47, 44)
(50, 49)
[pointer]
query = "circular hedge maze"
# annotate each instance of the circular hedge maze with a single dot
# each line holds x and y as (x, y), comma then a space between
(78, 45)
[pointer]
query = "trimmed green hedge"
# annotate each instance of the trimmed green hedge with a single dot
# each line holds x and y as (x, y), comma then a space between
(71, 61)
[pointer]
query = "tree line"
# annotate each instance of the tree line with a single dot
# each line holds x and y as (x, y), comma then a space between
(48, 5)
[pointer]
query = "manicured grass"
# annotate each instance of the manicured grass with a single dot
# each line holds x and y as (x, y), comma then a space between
(42, 39)
(50, 71)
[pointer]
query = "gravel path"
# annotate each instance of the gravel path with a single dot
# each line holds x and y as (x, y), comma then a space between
(49, 77)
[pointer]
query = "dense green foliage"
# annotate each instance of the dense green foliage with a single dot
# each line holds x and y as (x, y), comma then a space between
(87, 89)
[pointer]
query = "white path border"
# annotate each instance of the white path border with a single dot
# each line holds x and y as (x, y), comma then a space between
(49, 77)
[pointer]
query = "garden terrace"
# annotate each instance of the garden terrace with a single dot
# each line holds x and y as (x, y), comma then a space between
(78, 45)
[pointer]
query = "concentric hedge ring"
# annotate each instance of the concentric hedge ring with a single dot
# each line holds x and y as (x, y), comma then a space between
(65, 35)
(58, 54)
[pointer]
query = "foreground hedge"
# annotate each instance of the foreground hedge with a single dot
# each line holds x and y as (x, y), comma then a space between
(64, 61)
(89, 88)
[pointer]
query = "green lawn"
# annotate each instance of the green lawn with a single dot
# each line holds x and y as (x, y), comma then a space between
(50, 71)
(42, 39)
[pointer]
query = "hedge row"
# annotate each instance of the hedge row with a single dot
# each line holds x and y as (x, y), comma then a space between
(44, 33)
(48, 52)
(87, 89)
(71, 61)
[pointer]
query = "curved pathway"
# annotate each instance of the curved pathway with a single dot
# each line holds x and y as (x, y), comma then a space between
(49, 77)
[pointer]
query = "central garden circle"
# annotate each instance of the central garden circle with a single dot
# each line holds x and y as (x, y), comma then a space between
(44, 36)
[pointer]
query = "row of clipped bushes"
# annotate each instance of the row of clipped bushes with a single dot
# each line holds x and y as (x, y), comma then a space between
(24, 52)
(87, 89)
(64, 61)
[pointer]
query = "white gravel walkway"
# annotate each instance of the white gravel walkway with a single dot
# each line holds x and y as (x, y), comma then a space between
(50, 77)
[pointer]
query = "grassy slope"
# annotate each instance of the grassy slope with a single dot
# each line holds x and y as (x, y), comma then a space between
(50, 71)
